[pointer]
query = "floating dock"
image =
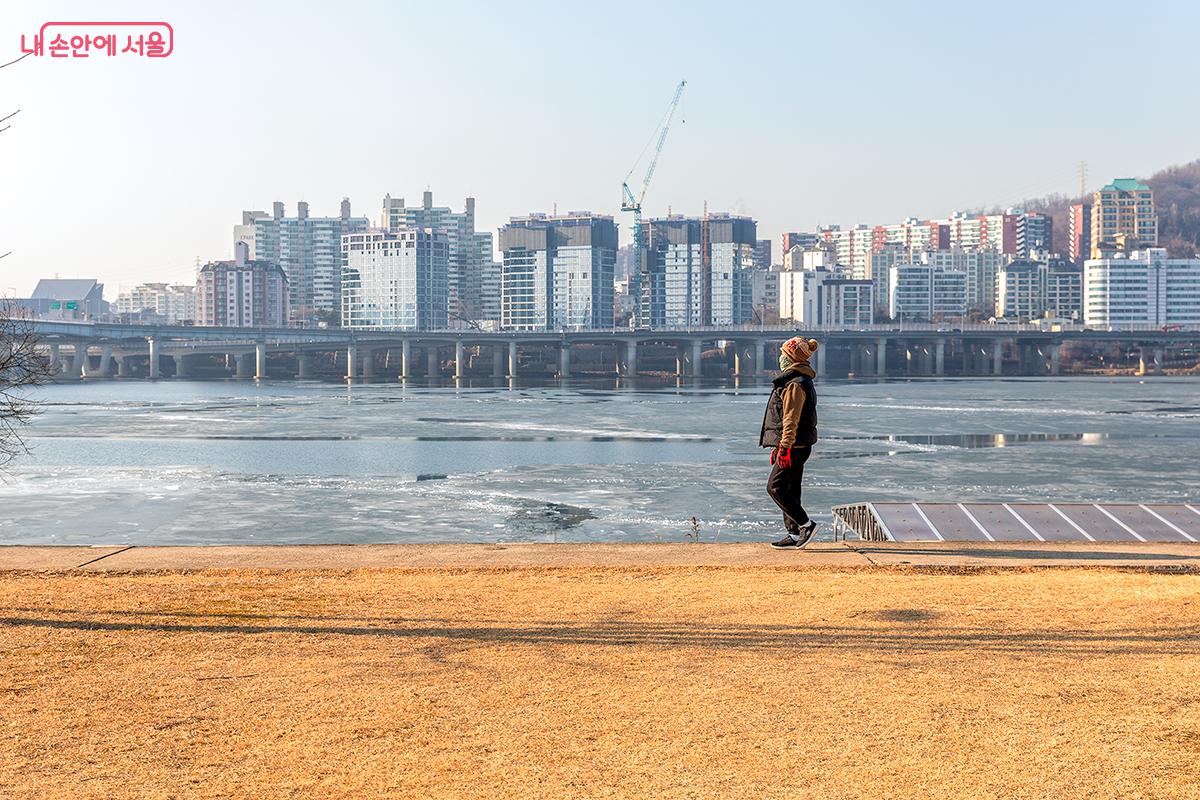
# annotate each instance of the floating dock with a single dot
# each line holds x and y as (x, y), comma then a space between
(1018, 522)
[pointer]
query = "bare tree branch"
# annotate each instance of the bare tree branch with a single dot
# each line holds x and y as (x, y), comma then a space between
(22, 368)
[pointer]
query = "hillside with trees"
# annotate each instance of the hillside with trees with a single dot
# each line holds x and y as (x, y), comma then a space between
(1176, 198)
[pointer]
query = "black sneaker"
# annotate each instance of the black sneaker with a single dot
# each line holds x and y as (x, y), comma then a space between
(789, 542)
(806, 533)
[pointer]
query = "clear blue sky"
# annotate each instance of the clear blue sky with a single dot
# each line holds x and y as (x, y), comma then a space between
(796, 113)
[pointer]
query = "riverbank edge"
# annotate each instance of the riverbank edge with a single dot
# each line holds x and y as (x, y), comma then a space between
(939, 556)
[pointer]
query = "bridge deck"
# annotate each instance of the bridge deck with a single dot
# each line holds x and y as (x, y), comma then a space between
(1009, 522)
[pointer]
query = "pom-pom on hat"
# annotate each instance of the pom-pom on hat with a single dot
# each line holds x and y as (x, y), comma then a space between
(799, 349)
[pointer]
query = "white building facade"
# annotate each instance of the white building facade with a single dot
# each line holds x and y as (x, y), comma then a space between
(471, 255)
(395, 280)
(764, 293)
(1147, 288)
(922, 293)
(821, 297)
(173, 304)
(1020, 291)
(308, 249)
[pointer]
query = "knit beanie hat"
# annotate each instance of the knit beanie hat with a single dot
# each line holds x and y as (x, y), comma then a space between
(797, 350)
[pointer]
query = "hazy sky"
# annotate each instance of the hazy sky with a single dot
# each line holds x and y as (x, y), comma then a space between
(796, 113)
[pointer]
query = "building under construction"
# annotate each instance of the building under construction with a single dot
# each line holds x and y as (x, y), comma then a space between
(698, 270)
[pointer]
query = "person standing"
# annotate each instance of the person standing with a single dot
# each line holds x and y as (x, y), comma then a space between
(789, 428)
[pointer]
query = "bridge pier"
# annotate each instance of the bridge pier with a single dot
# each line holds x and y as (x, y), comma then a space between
(153, 344)
(87, 371)
(881, 358)
(78, 359)
(53, 364)
(512, 358)
(1055, 354)
(939, 357)
(1037, 360)
(123, 366)
(1150, 363)
(405, 359)
(244, 369)
(741, 355)
(821, 357)
(564, 360)
(368, 363)
(697, 359)
(351, 362)
(183, 369)
(459, 360)
(970, 358)
(983, 360)
(631, 365)
(304, 365)
(101, 370)
(921, 361)
(497, 361)
(433, 364)
(998, 357)
(260, 361)
(760, 355)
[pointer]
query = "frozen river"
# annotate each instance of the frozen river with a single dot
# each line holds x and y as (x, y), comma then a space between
(299, 462)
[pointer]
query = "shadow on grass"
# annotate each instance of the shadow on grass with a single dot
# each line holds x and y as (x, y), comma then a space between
(905, 630)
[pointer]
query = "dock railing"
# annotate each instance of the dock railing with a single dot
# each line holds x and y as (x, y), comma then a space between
(860, 519)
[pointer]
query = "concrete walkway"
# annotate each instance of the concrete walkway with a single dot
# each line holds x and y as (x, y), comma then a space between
(469, 556)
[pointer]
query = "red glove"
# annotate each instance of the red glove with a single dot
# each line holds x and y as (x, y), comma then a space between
(784, 459)
(773, 457)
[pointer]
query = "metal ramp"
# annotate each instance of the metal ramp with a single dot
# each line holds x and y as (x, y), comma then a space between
(1018, 522)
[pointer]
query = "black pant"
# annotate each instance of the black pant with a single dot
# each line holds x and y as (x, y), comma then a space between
(784, 488)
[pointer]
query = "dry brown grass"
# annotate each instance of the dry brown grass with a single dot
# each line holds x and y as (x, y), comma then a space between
(663, 682)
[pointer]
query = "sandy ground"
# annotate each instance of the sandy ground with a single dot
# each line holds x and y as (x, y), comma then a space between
(601, 682)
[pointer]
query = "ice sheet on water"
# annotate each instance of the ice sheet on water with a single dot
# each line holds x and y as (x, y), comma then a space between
(314, 463)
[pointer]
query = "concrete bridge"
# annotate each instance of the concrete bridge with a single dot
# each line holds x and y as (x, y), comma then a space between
(98, 349)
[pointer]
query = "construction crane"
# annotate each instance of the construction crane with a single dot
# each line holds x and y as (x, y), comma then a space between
(639, 287)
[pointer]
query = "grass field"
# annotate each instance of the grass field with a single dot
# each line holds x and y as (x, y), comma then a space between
(601, 682)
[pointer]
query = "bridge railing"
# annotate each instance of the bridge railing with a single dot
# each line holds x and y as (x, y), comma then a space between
(91, 329)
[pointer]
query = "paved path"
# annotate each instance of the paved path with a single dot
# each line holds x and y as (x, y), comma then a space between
(409, 556)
